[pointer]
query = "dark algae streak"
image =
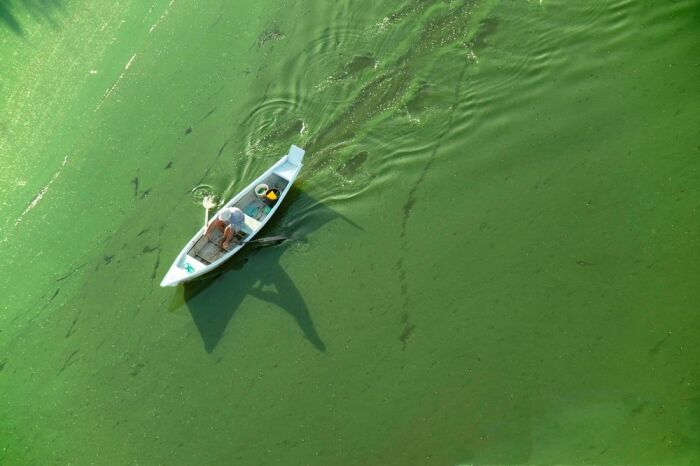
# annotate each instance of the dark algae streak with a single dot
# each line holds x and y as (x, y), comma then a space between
(69, 362)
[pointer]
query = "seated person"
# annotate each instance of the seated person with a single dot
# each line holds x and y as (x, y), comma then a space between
(229, 221)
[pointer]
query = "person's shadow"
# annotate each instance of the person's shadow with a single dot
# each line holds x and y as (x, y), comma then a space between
(213, 299)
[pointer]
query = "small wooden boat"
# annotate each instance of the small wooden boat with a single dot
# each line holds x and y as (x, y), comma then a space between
(201, 254)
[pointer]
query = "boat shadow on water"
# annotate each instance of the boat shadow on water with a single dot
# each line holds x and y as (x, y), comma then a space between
(214, 299)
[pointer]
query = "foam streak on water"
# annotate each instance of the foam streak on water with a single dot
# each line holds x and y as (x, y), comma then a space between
(39, 196)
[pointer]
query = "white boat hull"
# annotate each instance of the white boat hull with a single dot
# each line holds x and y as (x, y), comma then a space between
(193, 261)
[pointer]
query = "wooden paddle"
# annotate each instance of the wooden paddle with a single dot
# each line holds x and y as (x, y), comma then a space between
(207, 203)
(268, 239)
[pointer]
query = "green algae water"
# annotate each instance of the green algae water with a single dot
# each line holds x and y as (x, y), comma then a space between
(493, 245)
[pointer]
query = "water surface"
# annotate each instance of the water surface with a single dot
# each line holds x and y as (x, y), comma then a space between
(493, 243)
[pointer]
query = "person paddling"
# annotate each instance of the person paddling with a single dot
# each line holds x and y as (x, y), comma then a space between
(229, 221)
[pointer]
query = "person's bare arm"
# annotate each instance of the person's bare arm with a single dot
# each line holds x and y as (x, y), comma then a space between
(226, 240)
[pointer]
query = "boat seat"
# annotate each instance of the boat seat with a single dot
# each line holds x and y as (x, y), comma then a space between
(249, 225)
(286, 170)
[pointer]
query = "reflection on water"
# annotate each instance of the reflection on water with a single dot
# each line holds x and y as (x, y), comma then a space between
(212, 302)
(214, 299)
